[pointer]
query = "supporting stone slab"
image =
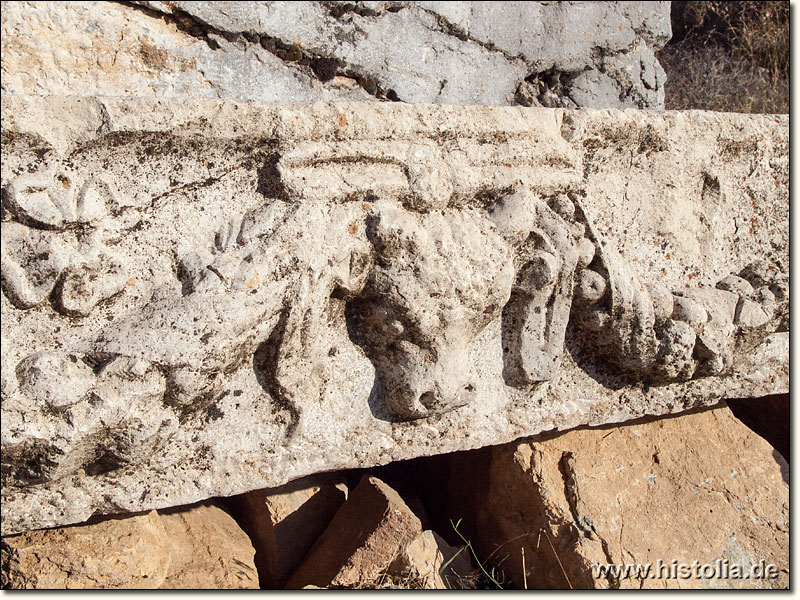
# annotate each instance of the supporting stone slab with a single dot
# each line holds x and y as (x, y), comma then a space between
(362, 541)
(285, 522)
(696, 501)
(198, 547)
(206, 297)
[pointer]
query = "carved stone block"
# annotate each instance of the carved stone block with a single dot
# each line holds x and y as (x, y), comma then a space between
(595, 54)
(207, 297)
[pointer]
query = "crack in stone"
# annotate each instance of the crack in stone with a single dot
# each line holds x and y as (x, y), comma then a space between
(458, 32)
(337, 10)
(324, 68)
(185, 22)
(105, 118)
(567, 467)
(550, 88)
(317, 66)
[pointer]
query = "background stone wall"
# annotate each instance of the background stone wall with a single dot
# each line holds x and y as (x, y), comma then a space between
(568, 54)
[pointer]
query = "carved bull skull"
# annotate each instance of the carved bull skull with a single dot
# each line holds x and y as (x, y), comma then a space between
(437, 282)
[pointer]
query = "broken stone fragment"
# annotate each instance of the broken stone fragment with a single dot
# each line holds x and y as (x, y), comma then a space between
(637, 493)
(429, 562)
(191, 548)
(285, 522)
(689, 311)
(749, 314)
(737, 285)
(419, 562)
(362, 540)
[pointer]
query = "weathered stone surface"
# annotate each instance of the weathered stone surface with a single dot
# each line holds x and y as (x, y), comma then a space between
(200, 547)
(419, 561)
(362, 541)
(202, 298)
(594, 54)
(285, 522)
(697, 487)
(429, 562)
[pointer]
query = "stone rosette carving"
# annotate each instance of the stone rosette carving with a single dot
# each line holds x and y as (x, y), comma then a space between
(52, 243)
(340, 280)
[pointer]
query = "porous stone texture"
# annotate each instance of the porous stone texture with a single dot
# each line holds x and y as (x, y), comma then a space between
(199, 547)
(206, 297)
(362, 541)
(285, 522)
(592, 54)
(696, 487)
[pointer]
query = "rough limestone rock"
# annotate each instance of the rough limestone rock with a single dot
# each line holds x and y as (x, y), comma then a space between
(593, 54)
(419, 561)
(200, 548)
(362, 541)
(285, 522)
(202, 298)
(429, 562)
(697, 487)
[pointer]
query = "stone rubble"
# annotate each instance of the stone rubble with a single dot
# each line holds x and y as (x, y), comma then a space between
(362, 541)
(697, 487)
(429, 562)
(196, 548)
(285, 522)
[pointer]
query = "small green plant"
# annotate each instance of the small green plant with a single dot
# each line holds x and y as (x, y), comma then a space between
(490, 575)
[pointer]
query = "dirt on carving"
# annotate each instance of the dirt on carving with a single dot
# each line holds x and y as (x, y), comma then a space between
(152, 57)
